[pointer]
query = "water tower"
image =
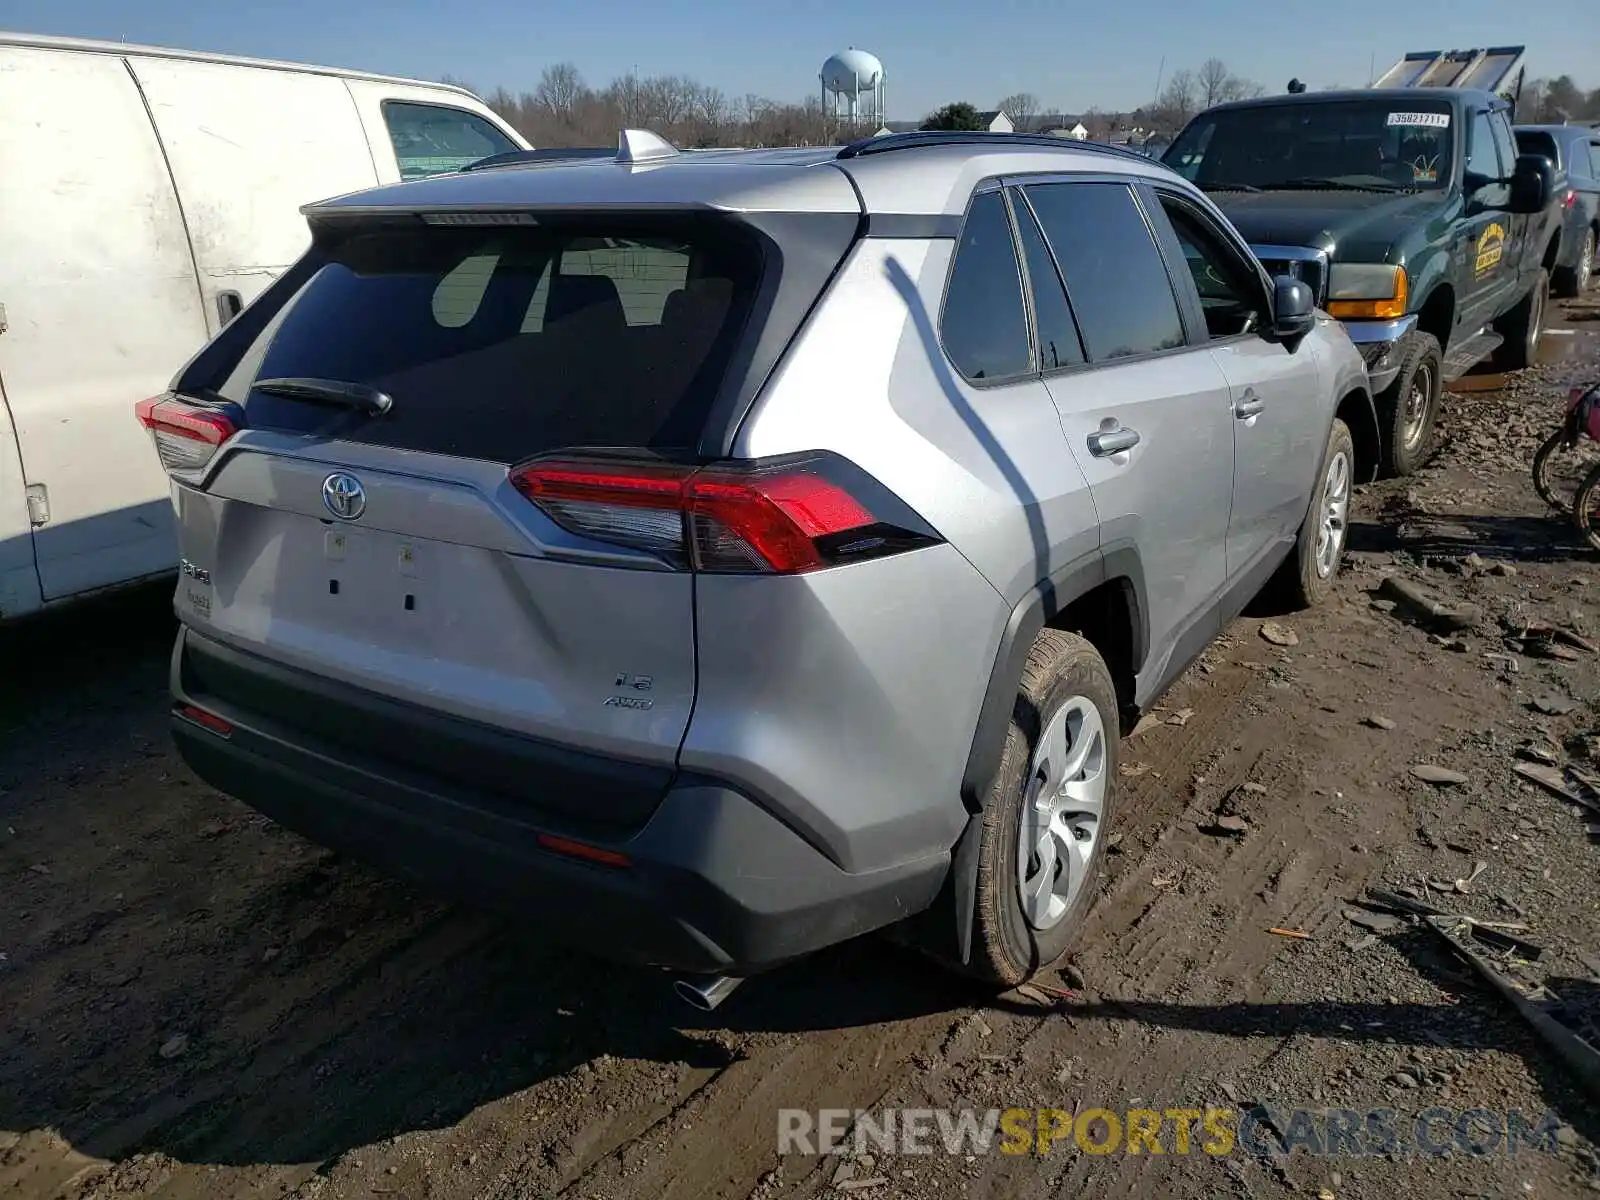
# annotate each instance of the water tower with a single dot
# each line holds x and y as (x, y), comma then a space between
(852, 88)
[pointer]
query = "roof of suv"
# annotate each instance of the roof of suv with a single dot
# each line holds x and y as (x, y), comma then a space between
(917, 174)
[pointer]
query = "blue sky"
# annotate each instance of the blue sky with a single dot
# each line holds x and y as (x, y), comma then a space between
(1070, 55)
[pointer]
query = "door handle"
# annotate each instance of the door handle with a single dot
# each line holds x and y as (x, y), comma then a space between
(1249, 405)
(229, 305)
(1113, 441)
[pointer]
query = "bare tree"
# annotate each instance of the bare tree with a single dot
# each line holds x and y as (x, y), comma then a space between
(1213, 81)
(711, 107)
(559, 90)
(1022, 108)
(1177, 101)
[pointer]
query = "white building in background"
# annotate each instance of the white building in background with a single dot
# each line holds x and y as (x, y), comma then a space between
(997, 122)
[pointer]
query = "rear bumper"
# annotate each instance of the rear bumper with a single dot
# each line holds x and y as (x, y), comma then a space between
(713, 881)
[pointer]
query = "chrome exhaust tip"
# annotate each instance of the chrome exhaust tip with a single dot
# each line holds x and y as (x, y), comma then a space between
(705, 992)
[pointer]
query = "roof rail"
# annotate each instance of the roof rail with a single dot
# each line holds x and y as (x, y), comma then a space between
(511, 158)
(916, 139)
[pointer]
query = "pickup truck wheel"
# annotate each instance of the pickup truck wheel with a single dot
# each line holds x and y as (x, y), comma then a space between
(1523, 326)
(1408, 407)
(1306, 577)
(1571, 281)
(1047, 815)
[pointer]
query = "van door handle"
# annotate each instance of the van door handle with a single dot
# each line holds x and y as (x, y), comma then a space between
(1249, 405)
(229, 305)
(1113, 441)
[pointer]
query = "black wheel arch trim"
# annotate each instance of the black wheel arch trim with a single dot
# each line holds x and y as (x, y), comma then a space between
(1042, 603)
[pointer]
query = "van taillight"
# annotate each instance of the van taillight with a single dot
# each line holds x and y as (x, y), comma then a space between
(186, 434)
(778, 516)
(1572, 198)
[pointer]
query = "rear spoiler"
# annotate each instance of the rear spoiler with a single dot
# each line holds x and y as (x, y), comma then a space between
(1497, 69)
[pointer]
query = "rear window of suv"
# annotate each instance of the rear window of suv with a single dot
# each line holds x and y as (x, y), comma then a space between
(504, 342)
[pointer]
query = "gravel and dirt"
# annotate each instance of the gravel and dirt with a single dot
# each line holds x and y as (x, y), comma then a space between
(196, 1003)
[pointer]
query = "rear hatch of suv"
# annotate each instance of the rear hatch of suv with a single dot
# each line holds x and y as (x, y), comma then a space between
(389, 548)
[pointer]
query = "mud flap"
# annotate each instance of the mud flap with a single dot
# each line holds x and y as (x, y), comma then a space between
(964, 884)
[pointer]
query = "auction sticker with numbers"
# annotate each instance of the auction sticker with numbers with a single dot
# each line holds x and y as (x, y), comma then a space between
(1429, 120)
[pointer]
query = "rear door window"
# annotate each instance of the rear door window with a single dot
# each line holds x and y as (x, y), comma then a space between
(432, 139)
(1116, 278)
(502, 343)
(1594, 160)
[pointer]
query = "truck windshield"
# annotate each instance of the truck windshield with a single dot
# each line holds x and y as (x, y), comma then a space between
(1389, 144)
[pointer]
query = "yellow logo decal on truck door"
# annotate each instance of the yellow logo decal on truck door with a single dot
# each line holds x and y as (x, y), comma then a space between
(1490, 247)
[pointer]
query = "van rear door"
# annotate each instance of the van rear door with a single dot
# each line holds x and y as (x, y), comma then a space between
(102, 309)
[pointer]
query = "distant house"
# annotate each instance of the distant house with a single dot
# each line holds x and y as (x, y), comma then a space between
(1077, 132)
(996, 122)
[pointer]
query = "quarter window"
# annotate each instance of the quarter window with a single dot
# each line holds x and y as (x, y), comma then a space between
(985, 327)
(431, 139)
(1115, 276)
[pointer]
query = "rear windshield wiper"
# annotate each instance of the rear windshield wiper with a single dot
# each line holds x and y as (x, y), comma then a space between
(1228, 187)
(1334, 185)
(333, 392)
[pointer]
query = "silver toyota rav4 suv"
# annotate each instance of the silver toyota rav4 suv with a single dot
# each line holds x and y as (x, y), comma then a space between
(712, 557)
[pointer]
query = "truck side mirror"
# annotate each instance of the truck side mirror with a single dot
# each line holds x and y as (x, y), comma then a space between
(1294, 309)
(1533, 183)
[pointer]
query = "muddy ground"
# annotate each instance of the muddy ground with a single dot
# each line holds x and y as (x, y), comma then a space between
(197, 1003)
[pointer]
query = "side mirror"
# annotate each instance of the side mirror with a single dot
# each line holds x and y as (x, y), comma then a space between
(1533, 184)
(1294, 310)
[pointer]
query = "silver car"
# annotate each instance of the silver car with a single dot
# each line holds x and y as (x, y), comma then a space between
(713, 557)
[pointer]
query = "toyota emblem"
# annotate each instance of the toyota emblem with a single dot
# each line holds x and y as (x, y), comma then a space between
(344, 496)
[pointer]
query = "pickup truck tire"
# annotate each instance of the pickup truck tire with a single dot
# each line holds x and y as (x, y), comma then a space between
(1306, 577)
(1523, 326)
(1065, 687)
(1574, 280)
(1408, 407)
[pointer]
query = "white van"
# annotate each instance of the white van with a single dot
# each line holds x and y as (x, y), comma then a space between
(146, 196)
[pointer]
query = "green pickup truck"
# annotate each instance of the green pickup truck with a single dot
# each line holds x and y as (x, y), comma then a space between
(1407, 209)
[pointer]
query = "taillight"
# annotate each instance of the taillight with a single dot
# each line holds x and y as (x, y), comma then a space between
(779, 516)
(1572, 198)
(186, 434)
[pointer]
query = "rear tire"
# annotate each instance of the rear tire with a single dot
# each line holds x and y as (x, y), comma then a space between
(1568, 282)
(1523, 326)
(1409, 407)
(1542, 482)
(1586, 508)
(1047, 814)
(1306, 577)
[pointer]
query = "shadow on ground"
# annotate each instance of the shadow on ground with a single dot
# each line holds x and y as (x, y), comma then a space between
(1517, 539)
